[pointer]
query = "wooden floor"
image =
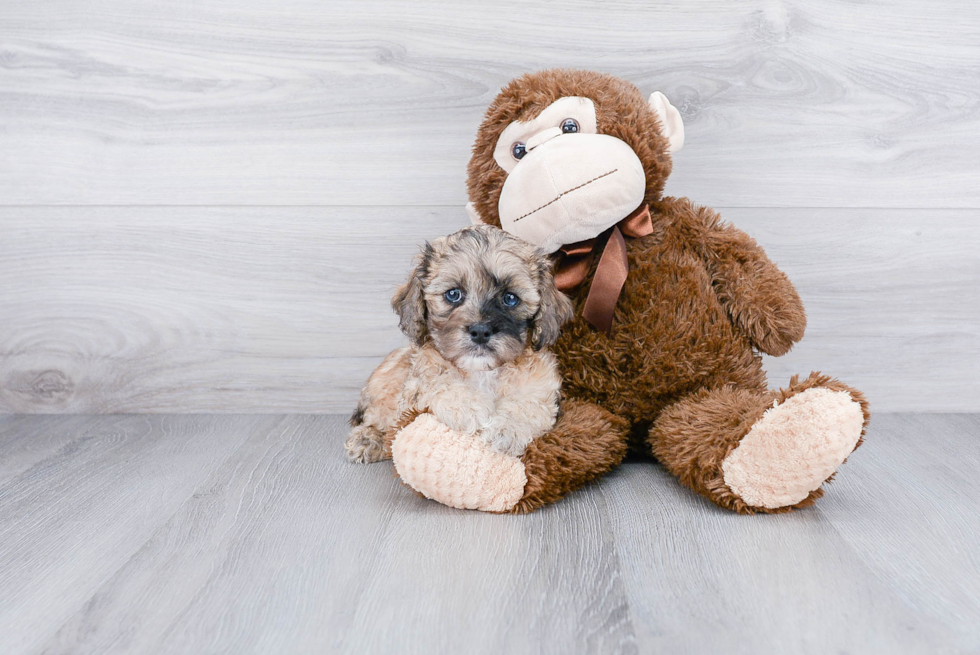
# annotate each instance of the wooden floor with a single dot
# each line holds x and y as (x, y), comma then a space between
(252, 534)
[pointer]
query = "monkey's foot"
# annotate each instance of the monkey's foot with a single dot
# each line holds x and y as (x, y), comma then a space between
(456, 470)
(794, 448)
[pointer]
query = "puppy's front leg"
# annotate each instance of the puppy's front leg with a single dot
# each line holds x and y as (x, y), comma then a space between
(527, 406)
(459, 409)
(445, 392)
(378, 409)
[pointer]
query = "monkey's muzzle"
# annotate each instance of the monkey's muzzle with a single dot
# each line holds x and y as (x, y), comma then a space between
(570, 188)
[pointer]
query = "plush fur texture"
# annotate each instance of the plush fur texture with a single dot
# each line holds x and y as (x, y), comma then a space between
(586, 443)
(793, 448)
(682, 366)
(695, 436)
(477, 363)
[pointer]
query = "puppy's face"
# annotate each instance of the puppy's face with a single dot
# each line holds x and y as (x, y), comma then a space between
(481, 295)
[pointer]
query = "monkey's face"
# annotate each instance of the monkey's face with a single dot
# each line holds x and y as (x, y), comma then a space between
(565, 182)
(567, 154)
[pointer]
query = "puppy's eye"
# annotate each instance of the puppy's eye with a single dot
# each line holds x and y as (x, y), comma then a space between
(518, 150)
(453, 296)
(511, 300)
(569, 126)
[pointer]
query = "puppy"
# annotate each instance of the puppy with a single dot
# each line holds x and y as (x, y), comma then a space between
(480, 310)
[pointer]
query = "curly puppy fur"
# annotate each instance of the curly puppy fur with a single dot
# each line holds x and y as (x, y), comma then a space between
(682, 368)
(480, 308)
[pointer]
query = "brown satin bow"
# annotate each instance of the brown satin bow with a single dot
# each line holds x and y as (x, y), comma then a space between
(610, 274)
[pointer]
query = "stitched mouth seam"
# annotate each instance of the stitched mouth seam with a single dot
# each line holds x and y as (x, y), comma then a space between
(564, 193)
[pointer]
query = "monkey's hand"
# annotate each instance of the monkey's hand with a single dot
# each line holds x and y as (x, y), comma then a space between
(760, 299)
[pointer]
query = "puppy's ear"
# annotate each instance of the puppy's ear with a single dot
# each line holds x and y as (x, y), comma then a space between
(555, 309)
(409, 300)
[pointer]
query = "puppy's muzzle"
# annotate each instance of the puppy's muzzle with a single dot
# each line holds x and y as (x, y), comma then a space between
(480, 333)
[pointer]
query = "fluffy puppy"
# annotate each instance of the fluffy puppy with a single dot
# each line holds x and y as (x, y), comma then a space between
(480, 309)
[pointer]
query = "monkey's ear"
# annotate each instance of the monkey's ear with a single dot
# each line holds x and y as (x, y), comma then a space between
(670, 120)
(554, 311)
(474, 216)
(409, 301)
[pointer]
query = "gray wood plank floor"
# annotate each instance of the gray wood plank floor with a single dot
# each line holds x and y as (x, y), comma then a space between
(252, 534)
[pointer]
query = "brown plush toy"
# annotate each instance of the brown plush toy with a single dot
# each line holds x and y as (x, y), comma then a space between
(673, 308)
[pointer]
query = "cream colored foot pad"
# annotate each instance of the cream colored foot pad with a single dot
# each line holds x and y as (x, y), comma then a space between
(793, 448)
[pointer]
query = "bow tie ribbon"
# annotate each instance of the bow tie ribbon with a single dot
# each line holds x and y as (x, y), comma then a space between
(610, 274)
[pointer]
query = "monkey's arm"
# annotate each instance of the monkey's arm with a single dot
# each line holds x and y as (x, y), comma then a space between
(585, 443)
(760, 299)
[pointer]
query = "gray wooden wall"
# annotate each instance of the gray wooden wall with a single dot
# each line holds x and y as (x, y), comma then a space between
(204, 206)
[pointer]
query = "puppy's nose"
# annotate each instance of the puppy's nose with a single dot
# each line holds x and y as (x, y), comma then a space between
(480, 333)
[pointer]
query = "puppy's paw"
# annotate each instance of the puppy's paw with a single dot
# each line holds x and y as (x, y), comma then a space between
(503, 442)
(365, 445)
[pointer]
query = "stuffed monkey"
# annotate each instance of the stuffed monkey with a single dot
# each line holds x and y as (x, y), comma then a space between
(673, 308)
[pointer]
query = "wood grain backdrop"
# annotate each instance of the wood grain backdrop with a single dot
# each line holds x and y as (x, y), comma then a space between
(204, 206)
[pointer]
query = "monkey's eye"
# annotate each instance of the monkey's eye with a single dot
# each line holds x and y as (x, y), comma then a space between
(518, 150)
(453, 296)
(511, 300)
(569, 126)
